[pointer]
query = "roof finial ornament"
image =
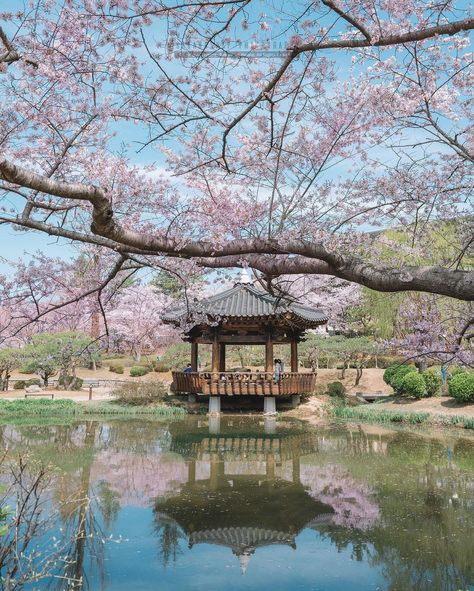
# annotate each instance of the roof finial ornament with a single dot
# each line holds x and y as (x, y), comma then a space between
(245, 276)
(244, 560)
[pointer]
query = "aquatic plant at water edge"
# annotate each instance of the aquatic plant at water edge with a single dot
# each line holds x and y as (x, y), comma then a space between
(141, 393)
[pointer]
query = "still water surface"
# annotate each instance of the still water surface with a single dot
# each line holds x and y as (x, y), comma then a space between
(241, 503)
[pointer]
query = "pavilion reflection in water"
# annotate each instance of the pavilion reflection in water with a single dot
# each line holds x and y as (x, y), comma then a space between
(244, 489)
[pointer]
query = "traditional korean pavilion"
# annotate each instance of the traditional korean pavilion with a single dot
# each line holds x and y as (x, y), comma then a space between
(244, 489)
(244, 315)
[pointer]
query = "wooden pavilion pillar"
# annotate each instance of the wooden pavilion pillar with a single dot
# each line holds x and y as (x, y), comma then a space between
(194, 356)
(215, 358)
(221, 357)
(294, 356)
(269, 354)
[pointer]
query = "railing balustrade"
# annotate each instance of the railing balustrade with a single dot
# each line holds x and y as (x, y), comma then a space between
(243, 383)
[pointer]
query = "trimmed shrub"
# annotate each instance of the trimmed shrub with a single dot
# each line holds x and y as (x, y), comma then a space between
(433, 381)
(389, 373)
(399, 375)
(395, 371)
(461, 387)
(336, 389)
(116, 368)
(21, 384)
(70, 382)
(456, 371)
(161, 367)
(142, 393)
(138, 370)
(413, 384)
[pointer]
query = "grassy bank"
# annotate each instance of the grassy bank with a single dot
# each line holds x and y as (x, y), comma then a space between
(373, 415)
(58, 408)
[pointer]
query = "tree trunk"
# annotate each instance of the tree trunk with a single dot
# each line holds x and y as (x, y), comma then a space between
(421, 365)
(137, 355)
(358, 375)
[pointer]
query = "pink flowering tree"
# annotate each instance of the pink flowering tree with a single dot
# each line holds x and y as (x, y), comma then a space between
(135, 321)
(285, 152)
(429, 329)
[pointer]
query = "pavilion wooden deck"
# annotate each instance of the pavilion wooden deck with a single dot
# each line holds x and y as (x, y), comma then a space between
(243, 383)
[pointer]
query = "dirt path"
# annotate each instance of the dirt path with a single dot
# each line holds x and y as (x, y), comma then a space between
(439, 405)
(98, 394)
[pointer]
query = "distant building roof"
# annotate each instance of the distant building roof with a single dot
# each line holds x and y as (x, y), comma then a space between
(244, 302)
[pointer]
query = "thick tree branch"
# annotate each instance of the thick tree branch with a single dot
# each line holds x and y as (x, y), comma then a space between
(309, 255)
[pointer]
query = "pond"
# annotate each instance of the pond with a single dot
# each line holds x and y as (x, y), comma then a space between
(239, 503)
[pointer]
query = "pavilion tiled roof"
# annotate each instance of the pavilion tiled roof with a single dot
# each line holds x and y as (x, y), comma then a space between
(245, 301)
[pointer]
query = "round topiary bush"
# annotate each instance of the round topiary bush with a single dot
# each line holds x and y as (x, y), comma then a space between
(336, 389)
(433, 381)
(161, 367)
(389, 373)
(400, 372)
(413, 384)
(461, 387)
(19, 385)
(116, 368)
(138, 370)
(456, 371)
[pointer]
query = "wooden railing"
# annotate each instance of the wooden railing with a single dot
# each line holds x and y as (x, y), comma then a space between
(243, 383)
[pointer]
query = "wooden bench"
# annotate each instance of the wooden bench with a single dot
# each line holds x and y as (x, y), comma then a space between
(39, 394)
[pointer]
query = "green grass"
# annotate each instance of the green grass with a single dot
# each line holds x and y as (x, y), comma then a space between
(50, 408)
(389, 416)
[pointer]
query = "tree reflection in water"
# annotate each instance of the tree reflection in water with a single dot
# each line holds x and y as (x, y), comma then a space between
(401, 503)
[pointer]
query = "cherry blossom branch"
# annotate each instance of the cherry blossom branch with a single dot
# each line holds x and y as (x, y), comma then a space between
(384, 41)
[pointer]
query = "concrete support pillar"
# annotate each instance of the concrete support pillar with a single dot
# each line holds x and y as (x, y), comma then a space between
(191, 398)
(214, 404)
(222, 357)
(214, 425)
(295, 400)
(269, 425)
(269, 405)
(194, 356)
(294, 356)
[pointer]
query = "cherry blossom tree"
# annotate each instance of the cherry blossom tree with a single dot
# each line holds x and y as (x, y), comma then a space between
(428, 329)
(135, 322)
(282, 137)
